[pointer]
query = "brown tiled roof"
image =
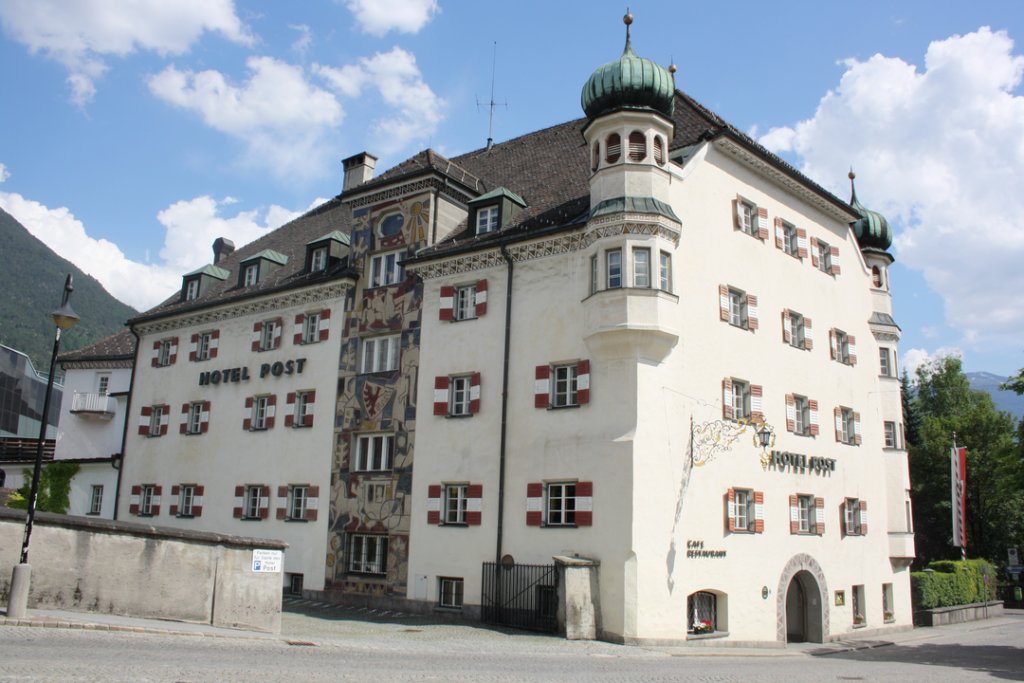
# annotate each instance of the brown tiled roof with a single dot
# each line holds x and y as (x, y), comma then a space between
(427, 160)
(118, 346)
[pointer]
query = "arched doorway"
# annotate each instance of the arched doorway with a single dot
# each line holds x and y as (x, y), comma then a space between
(802, 599)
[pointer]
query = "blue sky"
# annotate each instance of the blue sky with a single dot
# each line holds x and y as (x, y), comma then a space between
(136, 133)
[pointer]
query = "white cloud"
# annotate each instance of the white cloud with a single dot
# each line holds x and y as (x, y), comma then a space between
(78, 33)
(930, 332)
(941, 154)
(281, 117)
(4, 173)
(191, 227)
(377, 17)
(302, 44)
(400, 83)
(914, 358)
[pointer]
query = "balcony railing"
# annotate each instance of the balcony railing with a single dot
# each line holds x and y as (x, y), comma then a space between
(17, 449)
(94, 404)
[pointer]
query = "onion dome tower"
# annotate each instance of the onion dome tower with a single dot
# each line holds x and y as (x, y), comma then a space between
(874, 238)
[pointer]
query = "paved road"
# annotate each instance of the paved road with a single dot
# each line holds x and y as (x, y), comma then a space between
(408, 648)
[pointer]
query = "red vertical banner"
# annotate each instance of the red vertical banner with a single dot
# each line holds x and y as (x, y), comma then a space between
(958, 457)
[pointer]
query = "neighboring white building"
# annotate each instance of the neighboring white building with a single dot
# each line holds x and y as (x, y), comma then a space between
(673, 288)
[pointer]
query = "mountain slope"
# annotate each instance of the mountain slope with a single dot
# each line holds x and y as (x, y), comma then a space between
(31, 283)
(1004, 400)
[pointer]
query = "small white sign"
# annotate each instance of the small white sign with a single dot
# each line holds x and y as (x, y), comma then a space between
(267, 560)
(1014, 559)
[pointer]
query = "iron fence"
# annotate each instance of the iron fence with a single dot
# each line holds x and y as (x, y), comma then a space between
(23, 450)
(520, 595)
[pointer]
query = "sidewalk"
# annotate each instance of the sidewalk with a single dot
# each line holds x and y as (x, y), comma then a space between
(88, 621)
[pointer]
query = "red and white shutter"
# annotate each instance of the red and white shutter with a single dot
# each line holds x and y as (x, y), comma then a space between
(204, 418)
(723, 302)
(257, 334)
(174, 351)
(730, 511)
(834, 349)
(583, 382)
(780, 234)
(790, 413)
(197, 501)
(819, 516)
(247, 413)
(282, 500)
(756, 403)
(584, 503)
(193, 347)
(814, 252)
(441, 395)
(762, 223)
(239, 509)
(794, 515)
(474, 503)
(183, 427)
(787, 328)
(156, 353)
(727, 399)
(264, 502)
(165, 419)
(325, 324)
(834, 257)
(434, 504)
(214, 343)
(838, 414)
(801, 242)
(145, 415)
(278, 328)
(812, 408)
(751, 312)
(175, 492)
(271, 410)
(808, 334)
(447, 308)
(474, 393)
(157, 495)
(310, 404)
(758, 512)
(852, 342)
(289, 410)
(542, 386)
(856, 429)
(863, 518)
(300, 320)
(312, 503)
(481, 298)
(133, 507)
(534, 504)
(737, 212)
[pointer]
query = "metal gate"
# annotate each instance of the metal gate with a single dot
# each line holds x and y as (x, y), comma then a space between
(520, 595)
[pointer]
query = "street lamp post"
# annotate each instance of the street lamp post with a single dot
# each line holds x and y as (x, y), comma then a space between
(64, 318)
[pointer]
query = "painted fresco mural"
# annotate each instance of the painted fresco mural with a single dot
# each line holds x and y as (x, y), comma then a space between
(382, 402)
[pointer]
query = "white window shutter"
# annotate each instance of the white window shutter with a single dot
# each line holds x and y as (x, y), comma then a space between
(787, 328)
(727, 399)
(812, 408)
(834, 258)
(780, 233)
(852, 343)
(762, 223)
(856, 429)
(751, 312)
(808, 335)
(814, 252)
(832, 343)
(790, 413)
(723, 302)
(756, 402)
(839, 424)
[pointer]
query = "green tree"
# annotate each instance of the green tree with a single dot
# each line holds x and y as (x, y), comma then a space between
(995, 514)
(54, 488)
(911, 414)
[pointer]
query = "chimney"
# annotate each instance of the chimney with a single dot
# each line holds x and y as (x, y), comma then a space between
(222, 248)
(358, 169)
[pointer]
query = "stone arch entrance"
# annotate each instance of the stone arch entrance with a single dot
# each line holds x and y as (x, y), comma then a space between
(802, 595)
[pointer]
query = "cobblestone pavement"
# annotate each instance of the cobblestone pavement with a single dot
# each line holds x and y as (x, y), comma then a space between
(323, 643)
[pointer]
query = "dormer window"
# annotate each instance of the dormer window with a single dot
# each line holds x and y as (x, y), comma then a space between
(260, 266)
(487, 220)
(326, 251)
(192, 290)
(637, 146)
(613, 148)
(198, 282)
(251, 274)
(319, 260)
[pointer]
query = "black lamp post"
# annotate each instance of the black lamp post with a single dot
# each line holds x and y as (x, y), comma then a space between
(64, 318)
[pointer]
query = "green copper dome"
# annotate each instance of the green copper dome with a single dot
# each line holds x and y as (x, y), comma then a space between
(871, 229)
(629, 81)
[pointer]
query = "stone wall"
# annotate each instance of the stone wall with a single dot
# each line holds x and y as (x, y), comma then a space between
(84, 564)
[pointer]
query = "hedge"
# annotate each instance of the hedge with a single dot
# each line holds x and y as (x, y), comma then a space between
(950, 585)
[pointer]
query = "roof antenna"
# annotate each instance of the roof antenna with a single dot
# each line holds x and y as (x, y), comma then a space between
(493, 104)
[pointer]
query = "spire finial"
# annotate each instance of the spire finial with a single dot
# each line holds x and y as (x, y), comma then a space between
(853, 190)
(627, 20)
(672, 66)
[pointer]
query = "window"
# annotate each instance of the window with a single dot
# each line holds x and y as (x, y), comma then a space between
(311, 329)
(261, 406)
(192, 290)
(295, 584)
(252, 502)
(460, 393)
(375, 453)
(465, 302)
(665, 275)
(384, 270)
(842, 347)
(659, 151)
(641, 267)
(614, 259)
(251, 274)
(803, 415)
(486, 220)
(203, 348)
(890, 434)
(303, 409)
(593, 274)
(796, 322)
(876, 277)
(456, 503)
(380, 354)
(366, 553)
(104, 384)
(164, 354)
(96, 501)
(613, 148)
(450, 592)
(146, 501)
(186, 499)
(596, 157)
(702, 612)
(561, 506)
(805, 508)
(790, 240)
(746, 217)
(885, 367)
(737, 308)
(564, 387)
(637, 146)
(824, 257)
(851, 516)
(195, 418)
(858, 606)
(742, 507)
(887, 604)
(297, 498)
(267, 340)
(155, 419)
(740, 400)
(319, 260)
(848, 426)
